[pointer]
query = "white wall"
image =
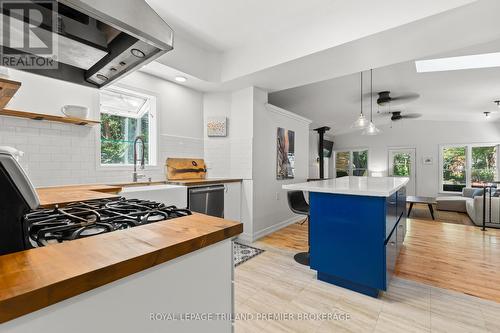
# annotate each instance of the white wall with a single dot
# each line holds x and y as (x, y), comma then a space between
(270, 206)
(425, 137)
(231, 156)
(67, 154)
(217, 150)
(249, 152)
(180, 108)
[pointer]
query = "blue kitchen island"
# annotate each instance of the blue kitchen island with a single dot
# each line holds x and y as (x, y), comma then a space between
(357, 227)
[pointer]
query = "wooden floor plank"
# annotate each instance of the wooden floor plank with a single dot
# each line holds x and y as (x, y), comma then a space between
(457, 257)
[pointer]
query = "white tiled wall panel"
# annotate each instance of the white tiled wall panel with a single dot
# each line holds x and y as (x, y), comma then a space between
(229, 157)
(241, 158)
(218, 158)
(58, 154)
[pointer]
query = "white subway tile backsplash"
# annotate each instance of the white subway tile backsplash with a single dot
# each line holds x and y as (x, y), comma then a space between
(58, 154)
(17, 122)
(58, 157)
(40, 140)
(27, 131)
(58, 126)
(47, 149)
(38, 157)
(28, 148)
(50, 132)
(8, 129)
(16, 140)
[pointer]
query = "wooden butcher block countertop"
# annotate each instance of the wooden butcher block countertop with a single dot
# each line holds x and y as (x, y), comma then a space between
(207, 181)
(63, 195)
(33, 279)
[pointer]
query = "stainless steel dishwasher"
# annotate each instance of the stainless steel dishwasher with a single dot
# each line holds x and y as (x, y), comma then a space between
(207, 200)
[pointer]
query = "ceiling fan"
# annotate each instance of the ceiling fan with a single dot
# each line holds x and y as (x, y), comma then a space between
(384, 98)
(396, 115)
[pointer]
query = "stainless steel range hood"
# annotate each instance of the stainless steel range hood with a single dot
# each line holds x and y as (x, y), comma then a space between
(98, 41)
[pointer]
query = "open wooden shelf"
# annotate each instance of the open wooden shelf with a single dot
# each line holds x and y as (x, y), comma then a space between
(8, 89)
(39, 116)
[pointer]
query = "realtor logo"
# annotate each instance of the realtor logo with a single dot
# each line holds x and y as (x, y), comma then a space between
(27, 41)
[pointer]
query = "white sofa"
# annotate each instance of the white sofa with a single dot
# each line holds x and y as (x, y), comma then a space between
(472, 204)
(475, 209)
(456, 203)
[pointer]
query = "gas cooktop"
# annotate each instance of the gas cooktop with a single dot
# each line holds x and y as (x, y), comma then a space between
(89, 218)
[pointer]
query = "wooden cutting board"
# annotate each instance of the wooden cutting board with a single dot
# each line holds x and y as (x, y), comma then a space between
(185, 168)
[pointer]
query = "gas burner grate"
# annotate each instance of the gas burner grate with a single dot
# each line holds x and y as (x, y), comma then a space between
(94, 217)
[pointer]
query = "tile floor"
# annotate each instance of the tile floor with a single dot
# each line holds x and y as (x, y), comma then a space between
(273, 283)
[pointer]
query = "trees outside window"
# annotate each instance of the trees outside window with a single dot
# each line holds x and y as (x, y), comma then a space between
(467, 165)
(118, 135)
(484, 164)
(351, 163)
(342, 163)
(402, 165)
(454, 168)
(360, 163)
(125, 115)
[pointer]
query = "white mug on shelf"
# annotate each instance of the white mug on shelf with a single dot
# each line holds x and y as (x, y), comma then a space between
(75, 111)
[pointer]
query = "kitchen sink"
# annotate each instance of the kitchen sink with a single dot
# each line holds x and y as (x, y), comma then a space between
(168, 194)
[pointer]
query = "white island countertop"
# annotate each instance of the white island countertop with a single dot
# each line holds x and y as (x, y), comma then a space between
(364, 186)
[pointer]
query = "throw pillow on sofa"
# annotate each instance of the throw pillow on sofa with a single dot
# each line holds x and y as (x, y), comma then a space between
(478, 193)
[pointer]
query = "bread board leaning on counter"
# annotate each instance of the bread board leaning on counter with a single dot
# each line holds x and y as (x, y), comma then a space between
(185, 168)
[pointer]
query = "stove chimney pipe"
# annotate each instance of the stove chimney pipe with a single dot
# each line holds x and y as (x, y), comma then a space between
(321, 132)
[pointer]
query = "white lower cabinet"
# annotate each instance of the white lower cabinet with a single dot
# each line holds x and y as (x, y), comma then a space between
(163, 298)
(232, 201)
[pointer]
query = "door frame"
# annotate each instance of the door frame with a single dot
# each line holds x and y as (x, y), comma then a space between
(415, 161)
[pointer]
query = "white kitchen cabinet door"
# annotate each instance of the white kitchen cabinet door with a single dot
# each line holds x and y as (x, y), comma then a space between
(232, 201)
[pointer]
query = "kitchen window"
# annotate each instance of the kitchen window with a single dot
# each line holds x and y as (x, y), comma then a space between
(351, 163)
(125, 115)
(467, 165)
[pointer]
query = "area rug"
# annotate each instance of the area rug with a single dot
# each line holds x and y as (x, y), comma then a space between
(242, 253)
(421, 212)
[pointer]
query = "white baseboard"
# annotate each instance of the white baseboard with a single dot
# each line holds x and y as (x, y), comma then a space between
(245, 238)
(276, 227)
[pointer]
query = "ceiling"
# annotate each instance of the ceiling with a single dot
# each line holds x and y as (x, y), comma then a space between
(228, 24)
(451, 96)
(227, 44)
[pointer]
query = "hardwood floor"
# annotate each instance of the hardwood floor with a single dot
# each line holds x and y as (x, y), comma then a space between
(452, 256)
(457, 257)
(293, 237)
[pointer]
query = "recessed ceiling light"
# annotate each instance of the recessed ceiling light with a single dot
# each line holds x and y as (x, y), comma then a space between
(180, 79)
(456, 63)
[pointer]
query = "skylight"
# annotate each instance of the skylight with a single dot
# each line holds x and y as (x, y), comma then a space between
(458, 63)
